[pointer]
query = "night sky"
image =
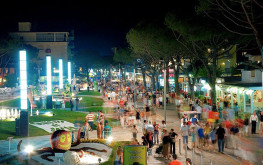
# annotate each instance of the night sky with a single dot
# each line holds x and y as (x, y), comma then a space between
(98, 26)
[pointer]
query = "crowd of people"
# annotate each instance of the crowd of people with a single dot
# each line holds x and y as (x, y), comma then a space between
(210, 126)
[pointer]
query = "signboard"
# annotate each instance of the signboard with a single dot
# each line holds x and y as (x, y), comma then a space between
(134, 154)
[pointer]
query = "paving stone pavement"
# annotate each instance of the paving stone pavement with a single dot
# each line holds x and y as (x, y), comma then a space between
(125, 134)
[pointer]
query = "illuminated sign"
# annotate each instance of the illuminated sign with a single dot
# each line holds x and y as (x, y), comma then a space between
(134, 154)
(23, 79)
(69, 72)
(49, 83)
(60, 74)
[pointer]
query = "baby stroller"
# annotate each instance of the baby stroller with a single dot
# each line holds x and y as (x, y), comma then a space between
(159, 151)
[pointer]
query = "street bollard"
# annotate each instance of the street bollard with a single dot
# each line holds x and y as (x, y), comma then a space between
(201, 159)
(180, 147)
(175, 147)
(9, 147)
(193, 158)
(185, 150)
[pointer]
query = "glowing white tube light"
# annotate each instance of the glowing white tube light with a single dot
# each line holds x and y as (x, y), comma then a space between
(23, 79)
(49, 83)
(69, 72)
(60, 74)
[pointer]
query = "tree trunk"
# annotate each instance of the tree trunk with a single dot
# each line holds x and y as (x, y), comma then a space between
(144, 77)
(176, 77)
(124, 74)
(157, 81)
(213, 83)
(167, 79)
(213, 92)
(153, 81)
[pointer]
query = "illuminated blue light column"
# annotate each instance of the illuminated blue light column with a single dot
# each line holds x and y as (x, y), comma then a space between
(60, 74)
(49, 83)
(23, 80)
(22, 123)
(69, 72)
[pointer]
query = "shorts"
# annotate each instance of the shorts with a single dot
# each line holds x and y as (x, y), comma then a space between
(213, 141)
(161, 103)
(206, 136)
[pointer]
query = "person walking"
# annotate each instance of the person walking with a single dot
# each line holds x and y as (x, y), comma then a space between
(220, 132)
(90, 117)
(199, 111)
(201, 136)
(193, 135)
(207, 137)
(253, 121)
(175, 161)
(161, 101)
(118, 156)
(185, 134)
(260, 128)
(246, 125)
(138, 116)
(134, 132)
(63, 103)
(188, 161)
(99, 130)
(173, 137)
(212, 135)
(77, 104)
(144, 125)
(166, 142)
(86, 128)
(71, 104)
(156, 133)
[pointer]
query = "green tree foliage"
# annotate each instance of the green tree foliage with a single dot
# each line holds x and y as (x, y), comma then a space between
(124, 56)
(204, 41)
(11, 80)
(152, 41)
(241, 17)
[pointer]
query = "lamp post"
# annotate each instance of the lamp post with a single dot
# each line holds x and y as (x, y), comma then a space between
(134, 93)
(164, 88)
(164, 93)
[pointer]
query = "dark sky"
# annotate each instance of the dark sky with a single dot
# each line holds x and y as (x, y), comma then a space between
(98, 26)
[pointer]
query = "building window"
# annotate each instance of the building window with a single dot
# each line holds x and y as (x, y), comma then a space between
(253, 73)
(61, 37)
(45, 37)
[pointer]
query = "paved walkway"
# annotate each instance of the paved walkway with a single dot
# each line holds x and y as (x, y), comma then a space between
(207, 156)
(118, 134)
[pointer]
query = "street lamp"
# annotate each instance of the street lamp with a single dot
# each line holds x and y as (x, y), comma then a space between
(164, 88)
(134, 93)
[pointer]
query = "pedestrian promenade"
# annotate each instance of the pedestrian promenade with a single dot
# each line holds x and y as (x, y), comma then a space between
(173, 121)
(249, 148)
